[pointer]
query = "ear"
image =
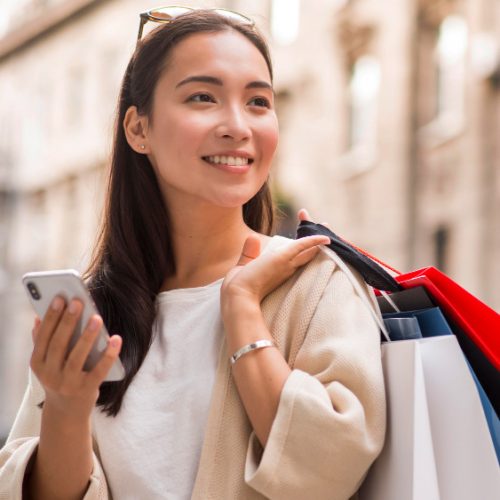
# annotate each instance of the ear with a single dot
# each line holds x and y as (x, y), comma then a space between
(135, 127)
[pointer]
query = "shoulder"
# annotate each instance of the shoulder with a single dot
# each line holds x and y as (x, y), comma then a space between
(290, 308)
(325, 274)
(306, 286)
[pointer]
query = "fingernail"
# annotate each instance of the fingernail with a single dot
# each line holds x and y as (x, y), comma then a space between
(73, 307)
(114, 341)
(57, 304)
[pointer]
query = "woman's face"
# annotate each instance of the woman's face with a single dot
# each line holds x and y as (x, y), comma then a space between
(214, 130)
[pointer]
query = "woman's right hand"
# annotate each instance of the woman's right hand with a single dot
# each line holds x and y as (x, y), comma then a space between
(69, 390)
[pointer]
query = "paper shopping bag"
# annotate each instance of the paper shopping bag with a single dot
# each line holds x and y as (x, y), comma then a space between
(476, 319)
(431, 323)
(438, 445)
(476, 326)
(407, 300)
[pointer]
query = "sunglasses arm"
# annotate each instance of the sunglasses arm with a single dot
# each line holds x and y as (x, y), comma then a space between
(144, 20)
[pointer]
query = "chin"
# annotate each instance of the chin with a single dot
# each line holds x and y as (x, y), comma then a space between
(236, 203)
(235, 200)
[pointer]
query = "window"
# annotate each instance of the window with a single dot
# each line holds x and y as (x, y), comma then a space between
(450, 54)
(363, 101)
(442, 60)
(441, 240)
(285, 17)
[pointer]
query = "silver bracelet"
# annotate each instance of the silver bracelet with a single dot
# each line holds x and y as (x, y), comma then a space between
(258, 344)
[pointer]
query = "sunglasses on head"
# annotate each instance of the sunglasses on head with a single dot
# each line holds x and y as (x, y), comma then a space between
(164, 15)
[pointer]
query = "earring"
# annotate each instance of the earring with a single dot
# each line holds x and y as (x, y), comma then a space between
(142, 146)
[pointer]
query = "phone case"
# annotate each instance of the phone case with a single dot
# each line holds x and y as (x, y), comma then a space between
(42, 287)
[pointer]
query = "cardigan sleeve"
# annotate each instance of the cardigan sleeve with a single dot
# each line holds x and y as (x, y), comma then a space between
(330, 422)
(16, 457)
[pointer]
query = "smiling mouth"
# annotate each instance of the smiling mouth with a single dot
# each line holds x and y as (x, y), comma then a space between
(236, 161)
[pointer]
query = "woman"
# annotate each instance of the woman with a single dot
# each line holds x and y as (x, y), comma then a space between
(187, 273)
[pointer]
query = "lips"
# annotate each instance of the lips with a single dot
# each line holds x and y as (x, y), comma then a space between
(230, 160)
(234, 162)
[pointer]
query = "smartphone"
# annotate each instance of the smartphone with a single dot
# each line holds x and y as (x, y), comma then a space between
(42, 287)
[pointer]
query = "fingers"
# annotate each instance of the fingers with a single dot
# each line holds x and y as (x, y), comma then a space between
(250, 251)
(45, 331)
(82, 348)
(101, 369)
(304, 244)
(304, 249)
(36, 327)
(285, 262)
(305, 256)
(59, 342)
(303, 214)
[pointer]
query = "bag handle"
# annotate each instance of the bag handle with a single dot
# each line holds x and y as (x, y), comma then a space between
(355, 283)
(370, 256)
(387, 297)
(372, 272)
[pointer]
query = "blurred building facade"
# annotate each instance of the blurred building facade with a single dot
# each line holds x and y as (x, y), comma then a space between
(390, 131)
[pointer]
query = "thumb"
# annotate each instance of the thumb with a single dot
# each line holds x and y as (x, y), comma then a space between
(250, 251)
(303, 214)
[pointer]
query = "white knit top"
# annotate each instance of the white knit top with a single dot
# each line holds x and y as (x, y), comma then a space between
(151, 449)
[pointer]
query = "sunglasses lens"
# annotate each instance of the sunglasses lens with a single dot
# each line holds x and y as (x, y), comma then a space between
(234, 16)
(168, 13)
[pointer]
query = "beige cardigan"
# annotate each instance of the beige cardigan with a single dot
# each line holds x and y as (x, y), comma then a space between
(330, 422)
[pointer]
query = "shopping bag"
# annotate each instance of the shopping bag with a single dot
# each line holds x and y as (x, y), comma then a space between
(407, 300)
(437, 444)
(431, 323)
(491, 417)
(476, 326)
(480, 322)
(403, 328)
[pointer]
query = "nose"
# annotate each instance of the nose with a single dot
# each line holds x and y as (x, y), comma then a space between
(233, 125)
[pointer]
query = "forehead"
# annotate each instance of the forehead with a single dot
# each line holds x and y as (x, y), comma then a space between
(227, 52)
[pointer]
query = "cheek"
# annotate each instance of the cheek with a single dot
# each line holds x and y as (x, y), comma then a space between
(179, 131)
(269, 138)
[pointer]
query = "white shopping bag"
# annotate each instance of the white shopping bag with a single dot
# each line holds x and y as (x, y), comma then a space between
(438, 446)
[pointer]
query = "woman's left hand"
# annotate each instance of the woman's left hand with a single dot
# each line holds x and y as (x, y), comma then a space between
(256, 275)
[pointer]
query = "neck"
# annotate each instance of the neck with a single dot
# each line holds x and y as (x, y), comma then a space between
(206, 243)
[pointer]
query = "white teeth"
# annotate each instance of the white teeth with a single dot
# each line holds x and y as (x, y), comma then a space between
(227, 160)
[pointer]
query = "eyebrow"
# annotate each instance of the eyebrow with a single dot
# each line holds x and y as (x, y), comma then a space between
(258, 84)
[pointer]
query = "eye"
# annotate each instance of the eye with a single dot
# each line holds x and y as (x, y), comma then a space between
(261, 102)
(201, 98)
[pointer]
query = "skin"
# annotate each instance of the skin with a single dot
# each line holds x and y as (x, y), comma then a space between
(204, 204)
(210, 241)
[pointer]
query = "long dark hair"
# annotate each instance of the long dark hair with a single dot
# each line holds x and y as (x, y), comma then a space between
(133, 254)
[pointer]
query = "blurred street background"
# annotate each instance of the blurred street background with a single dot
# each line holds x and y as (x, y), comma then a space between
(390, 131)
